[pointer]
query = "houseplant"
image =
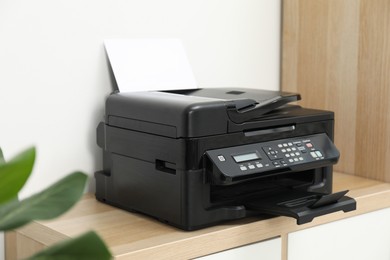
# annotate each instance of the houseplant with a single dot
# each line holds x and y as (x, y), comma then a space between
(47, 204)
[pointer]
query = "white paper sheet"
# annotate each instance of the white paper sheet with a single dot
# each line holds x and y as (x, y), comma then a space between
(149, 64)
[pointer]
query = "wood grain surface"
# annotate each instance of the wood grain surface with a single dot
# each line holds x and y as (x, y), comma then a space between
(336, 53)
(135, 236)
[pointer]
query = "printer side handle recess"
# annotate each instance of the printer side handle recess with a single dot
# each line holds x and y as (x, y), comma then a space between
(244, 110)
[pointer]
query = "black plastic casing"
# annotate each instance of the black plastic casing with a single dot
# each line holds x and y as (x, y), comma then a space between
(154, 161)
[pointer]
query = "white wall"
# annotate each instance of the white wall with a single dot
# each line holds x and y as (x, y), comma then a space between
(54, 76)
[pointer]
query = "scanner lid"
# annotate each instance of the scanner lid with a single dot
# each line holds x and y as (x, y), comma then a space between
(244, 104)
(202, 112)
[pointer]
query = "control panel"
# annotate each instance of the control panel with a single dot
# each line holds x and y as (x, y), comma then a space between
(285, 155)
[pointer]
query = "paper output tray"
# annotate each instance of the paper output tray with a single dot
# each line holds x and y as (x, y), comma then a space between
(301, 205)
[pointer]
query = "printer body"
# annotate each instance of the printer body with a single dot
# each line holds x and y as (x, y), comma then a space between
(195, 158)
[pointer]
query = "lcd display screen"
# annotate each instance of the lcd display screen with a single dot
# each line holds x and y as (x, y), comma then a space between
(246, 157)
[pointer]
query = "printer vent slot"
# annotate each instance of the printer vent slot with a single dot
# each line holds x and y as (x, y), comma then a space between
(166, 166)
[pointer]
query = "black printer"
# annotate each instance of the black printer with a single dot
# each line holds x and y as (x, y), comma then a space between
(194, 158)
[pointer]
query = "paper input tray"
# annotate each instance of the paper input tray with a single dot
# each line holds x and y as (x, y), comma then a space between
(301, 205)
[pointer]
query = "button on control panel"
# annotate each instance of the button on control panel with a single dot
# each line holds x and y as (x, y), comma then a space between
(272, 153)
(292, 153)
(221, 158)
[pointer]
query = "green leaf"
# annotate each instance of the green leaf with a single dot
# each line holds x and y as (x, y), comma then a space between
(46, 204)
(2, 161)
(14, 174)
(87, 246)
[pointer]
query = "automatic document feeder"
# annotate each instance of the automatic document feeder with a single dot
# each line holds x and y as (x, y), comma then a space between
(194, 158)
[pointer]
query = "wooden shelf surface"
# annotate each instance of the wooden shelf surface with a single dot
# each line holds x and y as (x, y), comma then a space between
(134, 236)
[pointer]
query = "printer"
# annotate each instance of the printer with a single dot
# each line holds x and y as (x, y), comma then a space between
(195, 158)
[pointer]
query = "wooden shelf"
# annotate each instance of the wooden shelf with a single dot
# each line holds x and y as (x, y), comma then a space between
(135, 236)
